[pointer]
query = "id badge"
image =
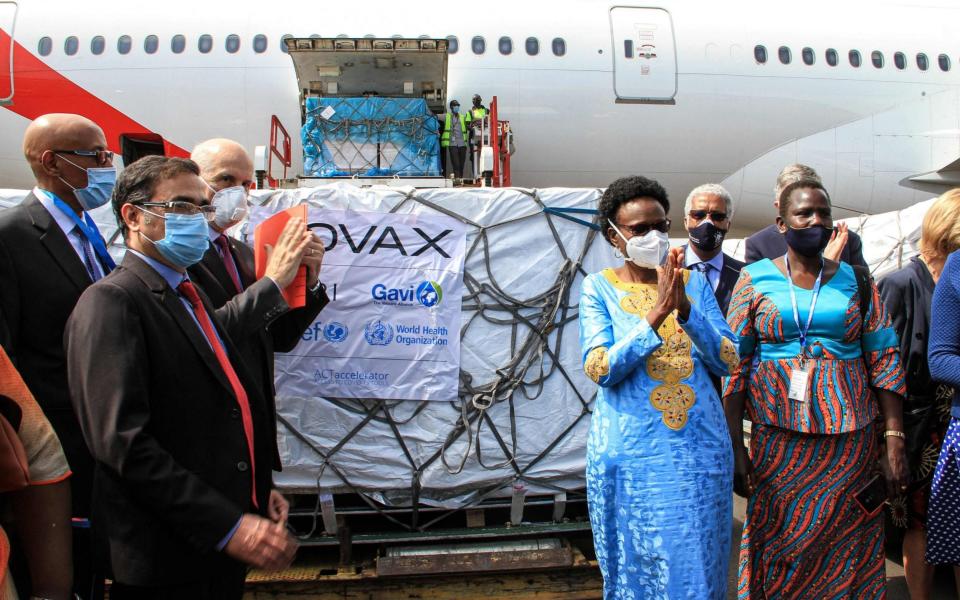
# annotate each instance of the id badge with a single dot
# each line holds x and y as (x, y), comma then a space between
(800, 383)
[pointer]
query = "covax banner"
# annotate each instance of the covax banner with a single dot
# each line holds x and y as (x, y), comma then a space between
(392, 327)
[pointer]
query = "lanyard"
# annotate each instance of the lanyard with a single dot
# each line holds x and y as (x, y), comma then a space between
(89, 229)
(813, 304)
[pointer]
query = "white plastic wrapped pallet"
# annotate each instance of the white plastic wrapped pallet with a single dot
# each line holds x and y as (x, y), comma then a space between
(392, 456)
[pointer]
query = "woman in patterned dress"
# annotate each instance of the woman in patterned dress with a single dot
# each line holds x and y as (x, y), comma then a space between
(907, 295)
(815, 364)
(659, 463)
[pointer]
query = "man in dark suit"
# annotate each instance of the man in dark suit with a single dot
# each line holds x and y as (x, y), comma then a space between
(769, 243)
(227, 267)
(707, 216)
(50, 252)
(179, 431)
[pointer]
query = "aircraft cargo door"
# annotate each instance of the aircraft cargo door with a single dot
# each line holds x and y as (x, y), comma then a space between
(644, 55)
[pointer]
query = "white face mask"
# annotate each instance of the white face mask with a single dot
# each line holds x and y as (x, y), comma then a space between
(231, 205)
(647, 251)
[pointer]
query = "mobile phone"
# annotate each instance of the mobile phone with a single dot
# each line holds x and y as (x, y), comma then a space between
(872, 496)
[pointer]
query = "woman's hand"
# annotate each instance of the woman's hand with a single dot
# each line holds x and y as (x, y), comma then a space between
(742, 472)
(894, 467)
(838, 241)
(671, 293)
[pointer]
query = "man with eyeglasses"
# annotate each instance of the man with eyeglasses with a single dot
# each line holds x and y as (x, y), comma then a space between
(50, 252)
(178, 427)
(707, 217)
(226, 270)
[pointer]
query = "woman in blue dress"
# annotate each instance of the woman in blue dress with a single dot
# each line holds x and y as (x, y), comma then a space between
(659, 460)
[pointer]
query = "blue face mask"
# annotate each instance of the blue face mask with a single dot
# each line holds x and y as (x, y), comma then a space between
(185, 239)
(100, 182)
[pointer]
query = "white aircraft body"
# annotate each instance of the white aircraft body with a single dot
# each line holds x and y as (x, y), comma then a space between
(685, 92)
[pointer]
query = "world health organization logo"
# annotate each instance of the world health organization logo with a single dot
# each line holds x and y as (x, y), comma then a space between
(429, 293)
(378, 333)
(335, 332)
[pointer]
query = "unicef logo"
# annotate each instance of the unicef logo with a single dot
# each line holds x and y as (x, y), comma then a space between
(378, 333)
(335, 332)
(429, 293)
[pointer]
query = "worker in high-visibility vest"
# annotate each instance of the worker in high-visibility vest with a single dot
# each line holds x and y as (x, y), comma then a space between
(454, 138)
(475, 122)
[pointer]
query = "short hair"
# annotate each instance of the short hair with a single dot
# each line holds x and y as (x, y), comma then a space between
(940, 232)
(712, 189)
(624, 190)
(139, 179)
(792, 174)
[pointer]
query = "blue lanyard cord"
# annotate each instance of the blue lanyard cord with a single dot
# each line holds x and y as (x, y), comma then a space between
(813, 304)
(91, 232)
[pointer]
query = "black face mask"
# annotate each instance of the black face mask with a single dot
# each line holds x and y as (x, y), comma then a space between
(809, 241)
(706, 236)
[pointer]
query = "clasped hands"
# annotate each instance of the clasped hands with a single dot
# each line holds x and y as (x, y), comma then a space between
(264, 543)
(671, 290)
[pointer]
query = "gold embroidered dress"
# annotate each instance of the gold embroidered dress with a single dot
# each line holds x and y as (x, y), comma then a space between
(659, 461)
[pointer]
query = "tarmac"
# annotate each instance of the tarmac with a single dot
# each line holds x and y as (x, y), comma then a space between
(896, 583)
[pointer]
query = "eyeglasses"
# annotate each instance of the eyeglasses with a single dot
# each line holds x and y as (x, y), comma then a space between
(183, 208)
(716, 217)
(643, 228)
(103, 156)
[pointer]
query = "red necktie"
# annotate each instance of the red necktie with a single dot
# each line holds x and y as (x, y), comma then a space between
(189, 292)
(228, 261)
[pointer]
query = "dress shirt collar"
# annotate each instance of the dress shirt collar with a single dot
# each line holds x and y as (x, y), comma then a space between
(171, 276)
(690, 258)
(213, 233)
(61, 218)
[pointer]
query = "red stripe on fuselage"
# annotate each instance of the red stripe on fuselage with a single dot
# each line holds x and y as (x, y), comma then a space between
(39, 89)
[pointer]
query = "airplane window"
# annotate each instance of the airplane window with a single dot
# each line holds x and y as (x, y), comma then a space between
(71, 45)
(559, 46)
(506, 45)
(178, 43)
(233, 43)
(628, 48)
(785, 56)
(900, 60)
(923, 63)
(807, 55)
(877, 58)
(479, 45)
(533, 46)
(259, 43)
(205, 43)
(944, 62)
(854, 59)
(45, 46)
(124, 43)
(150, 44)
(453, 44)
(97, 45)
(283, 42)
(832, 58)
(760, 54)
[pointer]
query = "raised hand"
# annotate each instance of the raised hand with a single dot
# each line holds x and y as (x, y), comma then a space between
(284, 259)
(838, 241)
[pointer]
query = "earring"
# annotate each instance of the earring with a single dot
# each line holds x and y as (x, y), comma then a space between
(616, 253)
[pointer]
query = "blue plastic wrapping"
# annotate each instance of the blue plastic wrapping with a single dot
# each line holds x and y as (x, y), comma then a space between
(370, 137)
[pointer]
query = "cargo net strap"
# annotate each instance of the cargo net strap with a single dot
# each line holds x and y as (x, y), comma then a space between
(372, 137)
(531, 321)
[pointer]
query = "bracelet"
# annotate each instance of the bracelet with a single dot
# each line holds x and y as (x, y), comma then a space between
(894, 433)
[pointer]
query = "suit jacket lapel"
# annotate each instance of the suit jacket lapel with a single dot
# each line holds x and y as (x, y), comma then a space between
(175, 307)
(213, 263)
(244, 259)
(57, 244)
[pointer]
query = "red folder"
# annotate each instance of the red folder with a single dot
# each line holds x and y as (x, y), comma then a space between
(267, 233)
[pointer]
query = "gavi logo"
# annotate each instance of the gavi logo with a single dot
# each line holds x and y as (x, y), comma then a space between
(427, 293)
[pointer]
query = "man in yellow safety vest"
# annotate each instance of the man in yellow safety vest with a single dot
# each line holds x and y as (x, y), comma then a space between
(454, 139)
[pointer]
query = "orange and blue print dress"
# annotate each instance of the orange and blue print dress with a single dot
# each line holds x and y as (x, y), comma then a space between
(804, 535)
(659, 460)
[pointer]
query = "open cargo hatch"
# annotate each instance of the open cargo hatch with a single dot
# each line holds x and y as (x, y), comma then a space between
(357, 67)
